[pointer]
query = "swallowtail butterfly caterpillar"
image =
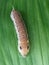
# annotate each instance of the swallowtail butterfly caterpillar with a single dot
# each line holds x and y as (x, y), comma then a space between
(23, 42)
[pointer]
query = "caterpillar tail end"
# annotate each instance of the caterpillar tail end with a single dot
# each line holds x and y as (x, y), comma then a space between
(13, 8)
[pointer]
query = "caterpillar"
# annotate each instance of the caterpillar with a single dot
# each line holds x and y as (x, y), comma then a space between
(23, 41)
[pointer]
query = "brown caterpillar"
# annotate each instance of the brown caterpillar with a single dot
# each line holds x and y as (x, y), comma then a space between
(23, 42)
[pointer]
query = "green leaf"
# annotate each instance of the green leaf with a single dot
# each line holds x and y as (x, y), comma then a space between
(36, 18)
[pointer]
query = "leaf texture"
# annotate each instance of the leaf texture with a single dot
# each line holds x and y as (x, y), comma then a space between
(35, 14)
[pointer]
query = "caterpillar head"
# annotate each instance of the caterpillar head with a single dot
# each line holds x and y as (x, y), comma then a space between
(23, 48)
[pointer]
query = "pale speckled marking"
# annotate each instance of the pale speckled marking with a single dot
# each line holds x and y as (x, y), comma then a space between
(15, 26)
